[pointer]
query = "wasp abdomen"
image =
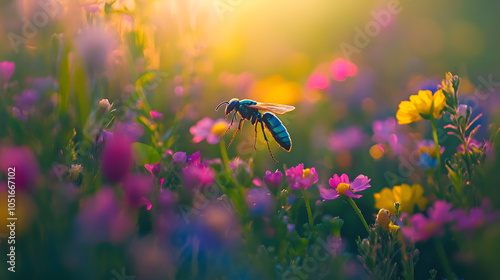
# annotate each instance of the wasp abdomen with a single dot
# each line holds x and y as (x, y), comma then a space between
(278, 130)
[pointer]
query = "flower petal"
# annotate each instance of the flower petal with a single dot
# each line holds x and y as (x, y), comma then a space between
(350, 194)
(360, 183)
(327, 194)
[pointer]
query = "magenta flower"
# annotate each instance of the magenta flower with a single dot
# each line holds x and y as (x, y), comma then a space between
(156, 115)
(317, 81)
(474, 145)
(154, 169)
(198, 176)
(300, 178)
(426, 227)
(342, 186)
(346, 139)
(102, 219)
(116, 158)
(341, 69)
(208, 129)
(25, 166)
(273, 179)
(6, 71)
(476, 218)
(136, 188)
(180, 157)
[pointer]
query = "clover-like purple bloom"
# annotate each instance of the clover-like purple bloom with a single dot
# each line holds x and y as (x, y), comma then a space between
(6, 70)
(300, 178)
(425, 227)
(116, 158)
(342, 186)
(23, 163)
(273, 179)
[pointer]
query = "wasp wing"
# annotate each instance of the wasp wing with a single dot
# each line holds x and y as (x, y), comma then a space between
(272, 107)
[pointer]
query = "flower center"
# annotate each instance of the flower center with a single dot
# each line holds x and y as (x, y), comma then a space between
(431, 151)
(342, 188)
(219, 128)
(306, 172)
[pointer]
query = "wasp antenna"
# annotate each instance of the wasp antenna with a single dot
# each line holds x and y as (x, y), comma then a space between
(225, 102)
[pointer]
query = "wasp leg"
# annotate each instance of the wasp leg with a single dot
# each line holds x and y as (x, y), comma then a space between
(267, 142)
(232, 120)
(255, 143)
(240, 125)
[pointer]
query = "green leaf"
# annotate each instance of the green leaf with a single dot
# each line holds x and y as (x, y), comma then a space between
(144, 154)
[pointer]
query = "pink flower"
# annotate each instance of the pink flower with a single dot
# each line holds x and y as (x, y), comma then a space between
(6, 70)
(180, 157)
(300, 178)
(198, 176)
(341, 69)
(156, 115)
(154, 169)
(208, 129)
(116, 158)
(474, 145)
(342, 186)
(24, 165)
(477, 217)
(273, 179)
(317, 81)
(426, 227)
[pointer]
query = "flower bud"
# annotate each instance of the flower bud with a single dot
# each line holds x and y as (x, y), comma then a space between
(462, 110)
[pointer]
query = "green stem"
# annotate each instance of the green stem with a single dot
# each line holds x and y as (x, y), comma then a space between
(444, 261)
(356, 209)
(225, 158)
(308, 206)
(438, 154)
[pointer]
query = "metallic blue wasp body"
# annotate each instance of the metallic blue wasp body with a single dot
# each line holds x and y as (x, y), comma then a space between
(263, 113)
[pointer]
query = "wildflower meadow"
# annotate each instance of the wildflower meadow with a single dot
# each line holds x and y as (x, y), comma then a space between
(249, 139)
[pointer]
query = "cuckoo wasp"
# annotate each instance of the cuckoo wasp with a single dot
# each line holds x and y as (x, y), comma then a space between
(263, 113)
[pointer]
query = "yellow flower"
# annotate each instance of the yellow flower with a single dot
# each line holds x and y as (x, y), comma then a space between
(384, 221)
(406, 196)
(420, 106)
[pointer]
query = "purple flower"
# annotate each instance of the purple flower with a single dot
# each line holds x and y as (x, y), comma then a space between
(156, 115)
(273, 179)
(198, 176)
(194, 159)
(27, 99)
(25, 166)
(136, 188)
(342, 186)
(259, 201)
(116, 158)
(346, 139)
(474, 146)
(102, 219)
(382, 130)
(180, 157)
(208, 129)
(425, 227)
(300, 178)
(105, 135)
(154, 169)
(476, 218)
(19, 114)
(6, 70)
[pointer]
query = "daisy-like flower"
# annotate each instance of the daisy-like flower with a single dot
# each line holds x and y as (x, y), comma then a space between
(342, 186)
(208, 129)
(300, 178)
(407, 197)
(421, 106)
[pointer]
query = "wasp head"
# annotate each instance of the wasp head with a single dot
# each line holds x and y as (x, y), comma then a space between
(231, 105)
